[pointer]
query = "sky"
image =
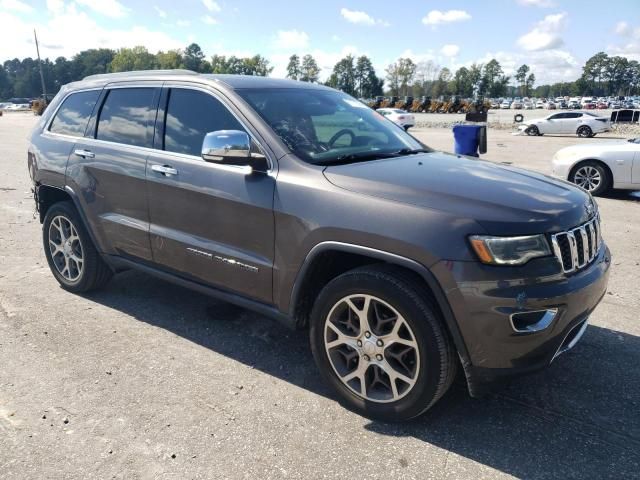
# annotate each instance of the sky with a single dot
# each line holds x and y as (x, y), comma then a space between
(553, 37)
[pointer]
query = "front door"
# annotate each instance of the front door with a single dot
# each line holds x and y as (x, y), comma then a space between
(209, 222)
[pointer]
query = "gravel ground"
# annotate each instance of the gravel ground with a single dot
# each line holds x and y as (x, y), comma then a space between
(147, 380)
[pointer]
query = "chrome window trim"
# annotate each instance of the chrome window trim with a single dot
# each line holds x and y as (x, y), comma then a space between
(162, 84)
(218, 96)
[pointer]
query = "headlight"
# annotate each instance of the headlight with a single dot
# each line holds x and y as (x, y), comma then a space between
(509, 250)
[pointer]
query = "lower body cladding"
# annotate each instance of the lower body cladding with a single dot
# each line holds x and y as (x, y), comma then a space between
(516, 320)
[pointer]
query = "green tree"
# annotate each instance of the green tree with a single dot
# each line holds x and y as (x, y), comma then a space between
(193, 58)
(136, 58)
(293, 68)
(309, 71)
(462, 84)
(343, 76)
(169, 60)
(406, 73)
(393, 78)
(521, 78)
(90, 62)
(368, 84)
(529, 83)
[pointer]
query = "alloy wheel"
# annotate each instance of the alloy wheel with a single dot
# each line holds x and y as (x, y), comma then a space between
(371, 348)
(65, 248)
(588, 177)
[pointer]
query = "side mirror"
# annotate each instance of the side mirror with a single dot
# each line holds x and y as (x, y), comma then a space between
(226, 146)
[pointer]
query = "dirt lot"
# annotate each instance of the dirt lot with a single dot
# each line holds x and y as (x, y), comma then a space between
(146, 380)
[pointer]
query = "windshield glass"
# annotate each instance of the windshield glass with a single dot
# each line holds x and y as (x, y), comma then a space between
(325, 126)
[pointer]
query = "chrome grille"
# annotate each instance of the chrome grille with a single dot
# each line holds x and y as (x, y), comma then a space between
(576, 248)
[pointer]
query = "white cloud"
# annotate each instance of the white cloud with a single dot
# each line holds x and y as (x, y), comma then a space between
(537, 3)
(211, 6)
(58, 35)
(161, 13)
(108, 8)
(291, 40)
(437, 17)
(549, 66)
(55, 6)
(15, 6)
(209, 20)
(361, 18)
(326, 59)
(630, 47)
(450, 50)
(545, 34)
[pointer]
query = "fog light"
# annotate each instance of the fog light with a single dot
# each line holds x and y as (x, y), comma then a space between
(532, 321)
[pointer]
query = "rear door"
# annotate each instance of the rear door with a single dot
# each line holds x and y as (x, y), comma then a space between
(210, 222)
(107, 168)
(570, 122)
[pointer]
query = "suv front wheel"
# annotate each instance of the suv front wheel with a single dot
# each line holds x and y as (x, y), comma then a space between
(380, 344)
(72, 257)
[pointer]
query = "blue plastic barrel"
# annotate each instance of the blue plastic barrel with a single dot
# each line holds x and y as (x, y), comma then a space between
(466, 139)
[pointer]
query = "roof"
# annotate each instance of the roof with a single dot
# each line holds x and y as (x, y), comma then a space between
(230, 81)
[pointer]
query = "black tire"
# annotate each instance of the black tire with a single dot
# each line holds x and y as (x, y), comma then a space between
(605, 176)
(406, 128)
(532, 131)
(95, 273)
(584, 131)
(437, 355)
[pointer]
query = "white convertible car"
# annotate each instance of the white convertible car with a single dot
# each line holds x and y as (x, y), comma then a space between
(583, 124)
(597, 167)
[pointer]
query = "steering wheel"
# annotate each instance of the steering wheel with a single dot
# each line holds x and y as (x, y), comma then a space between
(344, 131)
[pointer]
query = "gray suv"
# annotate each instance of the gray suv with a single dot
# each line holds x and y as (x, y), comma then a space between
(301, 203)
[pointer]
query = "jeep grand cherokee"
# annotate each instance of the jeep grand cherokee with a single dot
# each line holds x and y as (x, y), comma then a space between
(301, 203)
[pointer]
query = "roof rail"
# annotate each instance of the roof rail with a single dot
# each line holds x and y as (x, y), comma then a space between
(137, 73)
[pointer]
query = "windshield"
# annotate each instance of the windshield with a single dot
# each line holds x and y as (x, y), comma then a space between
(325, 126)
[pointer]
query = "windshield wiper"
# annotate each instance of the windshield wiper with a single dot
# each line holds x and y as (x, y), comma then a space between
(411, 151)
(373, 155)
(356, 157)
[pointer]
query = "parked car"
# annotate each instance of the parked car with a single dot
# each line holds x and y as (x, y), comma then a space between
(550, 105)
(516, 105)
(602, 105)
(580, 123)
(589, 106)
(399, 117)
(540, 104)
(506, 105)
(600, 167)
(495, 104)
(298, 201)
(574, 105)
(563, 105)
(528, 105)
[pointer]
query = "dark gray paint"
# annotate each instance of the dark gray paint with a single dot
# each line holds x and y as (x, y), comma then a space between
(415, 211)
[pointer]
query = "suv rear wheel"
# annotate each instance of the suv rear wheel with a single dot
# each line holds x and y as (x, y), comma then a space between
(380, 344)
(70, 252)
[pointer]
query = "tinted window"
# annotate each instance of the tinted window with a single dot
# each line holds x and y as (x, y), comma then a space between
(73, 115)
(572, 115)
(557, 116)
(190, 116)
(125, 116)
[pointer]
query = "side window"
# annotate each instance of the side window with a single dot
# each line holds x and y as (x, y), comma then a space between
(190, 116)
(557, 116)
(125, 116)
(74, 113)
(573, 115)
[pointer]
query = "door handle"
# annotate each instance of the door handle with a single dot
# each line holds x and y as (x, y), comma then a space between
(164, 169)
(84, 153)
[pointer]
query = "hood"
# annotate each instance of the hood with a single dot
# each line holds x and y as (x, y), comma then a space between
(504, 200)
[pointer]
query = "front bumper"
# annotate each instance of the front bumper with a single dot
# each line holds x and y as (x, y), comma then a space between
(484, 298)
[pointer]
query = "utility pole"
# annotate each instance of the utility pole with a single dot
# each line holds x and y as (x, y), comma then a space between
(44, 91)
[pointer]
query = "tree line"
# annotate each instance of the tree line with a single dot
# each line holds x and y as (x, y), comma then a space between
(601, 75)
(21, 78)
